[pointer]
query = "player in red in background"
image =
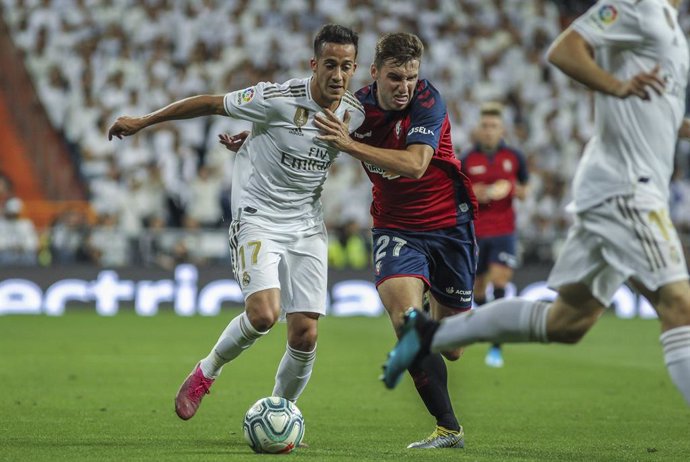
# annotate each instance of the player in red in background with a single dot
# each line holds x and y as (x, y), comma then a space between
(423, 208)
(498, 173)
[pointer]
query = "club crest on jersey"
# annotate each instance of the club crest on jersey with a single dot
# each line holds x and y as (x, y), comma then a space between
(301, 116)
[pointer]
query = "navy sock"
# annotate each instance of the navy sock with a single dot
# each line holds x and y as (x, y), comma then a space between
(431, 380)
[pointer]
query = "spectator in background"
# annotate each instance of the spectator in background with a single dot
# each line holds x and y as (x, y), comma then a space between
(204, 204)
(107, 245)
(155, 244)
(497, 46)
(18, 237)
(68, 238)
(348, 247)
(499, 174)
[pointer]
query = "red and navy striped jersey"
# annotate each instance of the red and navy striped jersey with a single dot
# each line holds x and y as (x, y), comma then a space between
(497, 218)
(442, 197)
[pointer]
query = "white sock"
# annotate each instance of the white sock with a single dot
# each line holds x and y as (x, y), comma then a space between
(294, 373)
(676, 343)
(501, 321)
(237, 337)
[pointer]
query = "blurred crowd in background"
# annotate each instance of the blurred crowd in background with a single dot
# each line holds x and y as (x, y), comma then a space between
(162, 197)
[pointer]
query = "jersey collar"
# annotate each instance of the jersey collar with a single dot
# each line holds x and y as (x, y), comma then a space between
(501, 145)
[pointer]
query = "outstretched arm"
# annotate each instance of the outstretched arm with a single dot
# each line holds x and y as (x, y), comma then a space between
(411, 162)
(571, 53)
(188, 108)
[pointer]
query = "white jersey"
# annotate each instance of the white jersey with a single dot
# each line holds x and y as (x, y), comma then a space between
(634, 142)
(280, 170)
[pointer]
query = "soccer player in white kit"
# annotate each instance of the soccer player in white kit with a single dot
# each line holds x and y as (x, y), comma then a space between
(278, 239)
(634, 55)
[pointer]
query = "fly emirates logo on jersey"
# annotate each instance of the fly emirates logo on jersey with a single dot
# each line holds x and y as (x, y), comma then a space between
(317, 160)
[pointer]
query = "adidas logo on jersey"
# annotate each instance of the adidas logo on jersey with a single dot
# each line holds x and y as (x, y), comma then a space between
(296, 131)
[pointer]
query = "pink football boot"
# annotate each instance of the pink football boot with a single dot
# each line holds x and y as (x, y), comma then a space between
(191, 392)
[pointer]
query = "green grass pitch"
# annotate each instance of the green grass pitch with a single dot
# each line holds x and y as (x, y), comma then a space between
(83, 387)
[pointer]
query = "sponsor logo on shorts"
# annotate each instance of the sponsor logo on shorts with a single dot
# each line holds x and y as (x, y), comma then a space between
(454, 291)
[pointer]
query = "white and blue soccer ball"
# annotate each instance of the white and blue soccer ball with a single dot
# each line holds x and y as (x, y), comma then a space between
(273, 425)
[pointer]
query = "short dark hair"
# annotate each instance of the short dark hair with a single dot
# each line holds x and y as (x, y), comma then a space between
(491, 108)
(334, 33)
(398, 48)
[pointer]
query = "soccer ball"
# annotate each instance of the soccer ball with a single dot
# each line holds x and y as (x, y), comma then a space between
(273, 425)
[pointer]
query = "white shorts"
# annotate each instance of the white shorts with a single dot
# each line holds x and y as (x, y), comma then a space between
(617, 240)
(296, 262)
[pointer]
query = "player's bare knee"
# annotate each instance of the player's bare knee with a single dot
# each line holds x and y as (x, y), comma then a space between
(262, 319)
(674, 306)
(262, 314)
(303, 339)
(306, 343)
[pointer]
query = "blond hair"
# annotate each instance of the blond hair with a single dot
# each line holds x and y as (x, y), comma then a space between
(492, 108)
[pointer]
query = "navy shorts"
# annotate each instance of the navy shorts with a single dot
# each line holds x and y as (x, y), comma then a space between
(497, 249)
(445, 259)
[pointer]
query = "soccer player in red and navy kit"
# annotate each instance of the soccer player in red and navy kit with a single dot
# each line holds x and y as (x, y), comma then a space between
(423, 208)
(499, 174)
